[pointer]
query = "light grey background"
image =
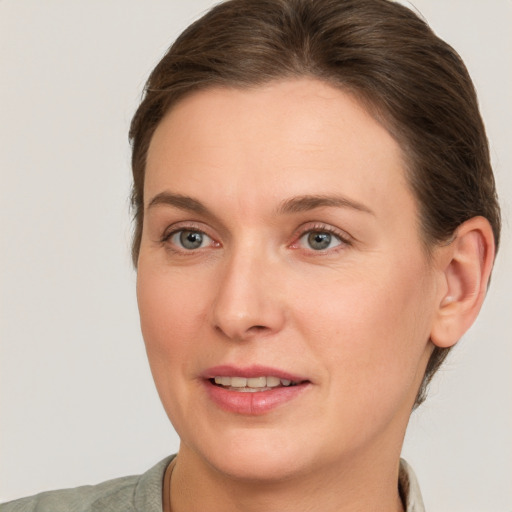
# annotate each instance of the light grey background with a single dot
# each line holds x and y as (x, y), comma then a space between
(77, 399)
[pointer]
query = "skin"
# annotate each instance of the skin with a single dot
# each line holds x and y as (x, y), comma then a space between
(355, 319)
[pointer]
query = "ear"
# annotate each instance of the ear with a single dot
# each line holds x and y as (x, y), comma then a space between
(465, 267)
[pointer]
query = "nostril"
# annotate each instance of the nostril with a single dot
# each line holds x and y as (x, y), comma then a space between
(257, 328)
(251, 332)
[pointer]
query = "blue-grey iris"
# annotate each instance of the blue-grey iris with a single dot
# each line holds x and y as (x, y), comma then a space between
(319, 240)
(191, 239)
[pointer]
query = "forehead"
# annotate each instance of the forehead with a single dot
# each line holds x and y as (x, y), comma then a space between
(286, 138)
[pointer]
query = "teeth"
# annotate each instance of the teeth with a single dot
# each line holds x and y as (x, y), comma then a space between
(272, 382)
(247, 384)
(223, 381)
(257, 382)
(238, 382)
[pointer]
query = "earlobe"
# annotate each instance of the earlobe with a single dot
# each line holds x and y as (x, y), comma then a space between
(465, 266)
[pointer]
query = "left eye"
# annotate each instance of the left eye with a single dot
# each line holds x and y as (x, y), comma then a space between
(190, 240)
(319, 240)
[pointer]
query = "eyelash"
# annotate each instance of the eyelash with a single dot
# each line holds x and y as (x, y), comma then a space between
(167, 236)
(344, 239)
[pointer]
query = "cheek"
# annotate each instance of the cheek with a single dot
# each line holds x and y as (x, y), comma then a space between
(372, 330)
(171, 313)
(171, 317)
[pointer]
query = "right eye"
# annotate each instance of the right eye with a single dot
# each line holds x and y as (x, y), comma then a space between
(190, 239)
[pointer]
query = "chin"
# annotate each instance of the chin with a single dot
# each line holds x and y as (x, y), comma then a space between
(255, 456)
(260, 466)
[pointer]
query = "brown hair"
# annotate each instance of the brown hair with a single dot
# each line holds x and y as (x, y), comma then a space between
(411, 81)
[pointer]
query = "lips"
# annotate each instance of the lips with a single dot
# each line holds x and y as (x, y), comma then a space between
(252, 390)
(249, 372)
(252, 384)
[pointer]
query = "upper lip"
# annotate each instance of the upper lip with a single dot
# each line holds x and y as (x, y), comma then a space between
(249, 371)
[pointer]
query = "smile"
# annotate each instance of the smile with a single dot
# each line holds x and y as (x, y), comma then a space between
(253, 390)
(251, 384)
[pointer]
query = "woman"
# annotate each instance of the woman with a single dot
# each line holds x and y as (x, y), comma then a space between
(316, 224)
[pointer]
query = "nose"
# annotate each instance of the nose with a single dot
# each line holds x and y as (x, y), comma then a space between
(249, 301)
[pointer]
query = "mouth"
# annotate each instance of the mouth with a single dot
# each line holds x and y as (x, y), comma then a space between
(254, 390)
(253, 384)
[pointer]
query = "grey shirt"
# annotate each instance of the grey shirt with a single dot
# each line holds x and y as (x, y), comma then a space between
(143, 493)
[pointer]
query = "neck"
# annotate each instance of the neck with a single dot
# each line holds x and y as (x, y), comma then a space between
(359, 485)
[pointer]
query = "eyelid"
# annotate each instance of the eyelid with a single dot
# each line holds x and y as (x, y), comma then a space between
(175, 228)
(343, 236)
(184, 226)
(206, 239)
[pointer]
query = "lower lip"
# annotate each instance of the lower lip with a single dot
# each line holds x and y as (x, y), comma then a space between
(253, 403)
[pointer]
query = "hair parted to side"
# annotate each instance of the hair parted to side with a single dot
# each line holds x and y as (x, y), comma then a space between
(411, 81)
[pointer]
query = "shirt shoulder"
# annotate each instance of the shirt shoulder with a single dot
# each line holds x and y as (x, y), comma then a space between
(409, 489)
(127, 494)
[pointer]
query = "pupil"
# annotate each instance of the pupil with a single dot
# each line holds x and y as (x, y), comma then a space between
(191, 239)
(319, 241)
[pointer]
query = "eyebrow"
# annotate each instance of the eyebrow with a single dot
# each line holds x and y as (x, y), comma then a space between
(293, 205)
(179, 201)
(310, 202)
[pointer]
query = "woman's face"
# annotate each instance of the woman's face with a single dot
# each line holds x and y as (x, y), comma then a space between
(281, 243)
